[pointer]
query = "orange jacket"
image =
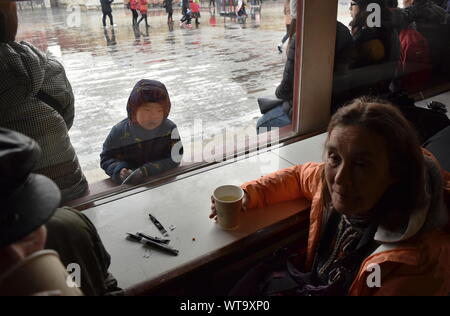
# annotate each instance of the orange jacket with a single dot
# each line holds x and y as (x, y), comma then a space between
(417, 266)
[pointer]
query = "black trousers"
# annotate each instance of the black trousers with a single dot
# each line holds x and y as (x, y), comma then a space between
(143, 17)
(134, 16)
(110, 18)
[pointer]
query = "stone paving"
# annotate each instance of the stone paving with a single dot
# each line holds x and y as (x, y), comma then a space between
(214, 73)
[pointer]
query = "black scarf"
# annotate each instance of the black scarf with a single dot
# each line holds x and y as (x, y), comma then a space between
(345, 243)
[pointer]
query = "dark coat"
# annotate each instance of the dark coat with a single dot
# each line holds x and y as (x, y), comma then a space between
(285, 89)
(344, 45)
(168, 5)
(24, 72)
(106, 6)
(343, 48)
(387, 34)
(425, 14)
(185, 5)
(130, 146)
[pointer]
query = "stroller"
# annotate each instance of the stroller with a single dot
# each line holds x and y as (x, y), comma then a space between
(186, 19)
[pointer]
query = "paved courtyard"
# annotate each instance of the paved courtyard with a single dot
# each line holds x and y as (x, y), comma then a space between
(214, 73)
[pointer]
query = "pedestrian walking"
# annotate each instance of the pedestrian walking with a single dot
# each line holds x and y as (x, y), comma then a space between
(195, 8)
(143, 9)
(134, 7)
(168, 5)
(184, 7)
(107, 11)
(186, 11)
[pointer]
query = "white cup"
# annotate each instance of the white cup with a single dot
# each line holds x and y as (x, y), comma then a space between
(40, 272)
(228, 201)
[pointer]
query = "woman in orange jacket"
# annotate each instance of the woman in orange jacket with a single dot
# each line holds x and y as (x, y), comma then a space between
(378, 217)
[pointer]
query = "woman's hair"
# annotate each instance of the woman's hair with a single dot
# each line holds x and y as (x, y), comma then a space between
(146, 91)
(406, 161)
(8, 22)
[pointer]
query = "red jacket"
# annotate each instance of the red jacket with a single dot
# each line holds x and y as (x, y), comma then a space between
(416, 266)
(143, 6)
(134, 4)
(195, 7)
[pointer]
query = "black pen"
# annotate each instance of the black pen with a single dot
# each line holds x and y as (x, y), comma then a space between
(150, 243)
(158, 225)
(155, 239)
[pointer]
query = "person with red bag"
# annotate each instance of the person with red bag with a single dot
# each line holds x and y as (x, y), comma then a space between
(195, 9)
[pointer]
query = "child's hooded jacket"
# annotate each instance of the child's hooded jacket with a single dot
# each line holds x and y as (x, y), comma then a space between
(130, 146)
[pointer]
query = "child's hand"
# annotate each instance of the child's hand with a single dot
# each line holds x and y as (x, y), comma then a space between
(213, 214)
(124, 173)
(135, 177)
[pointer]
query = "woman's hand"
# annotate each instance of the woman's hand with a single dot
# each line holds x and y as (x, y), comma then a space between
(213, 214)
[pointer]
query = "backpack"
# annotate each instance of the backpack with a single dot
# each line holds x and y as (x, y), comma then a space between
(415, 60)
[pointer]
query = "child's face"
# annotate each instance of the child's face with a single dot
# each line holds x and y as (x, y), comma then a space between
(150, 115)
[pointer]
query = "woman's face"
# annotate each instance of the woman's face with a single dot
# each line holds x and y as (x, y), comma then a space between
(150, 115)
(357, 169)
(354, 9)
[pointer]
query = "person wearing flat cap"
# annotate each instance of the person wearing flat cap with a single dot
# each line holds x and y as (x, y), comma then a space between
(30, 219)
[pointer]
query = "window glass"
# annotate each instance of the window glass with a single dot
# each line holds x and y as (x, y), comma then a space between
(207, 69)
(390, 49)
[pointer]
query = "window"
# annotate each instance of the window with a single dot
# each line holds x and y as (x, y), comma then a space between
(399, 51)
(214, 72)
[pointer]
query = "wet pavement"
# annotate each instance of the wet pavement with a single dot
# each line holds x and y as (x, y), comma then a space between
(214, 73)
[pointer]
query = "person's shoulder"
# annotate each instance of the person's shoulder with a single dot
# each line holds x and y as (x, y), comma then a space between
(33, 48)
(24, 50)
(124, 124)
(168, 124)
(167, 128)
